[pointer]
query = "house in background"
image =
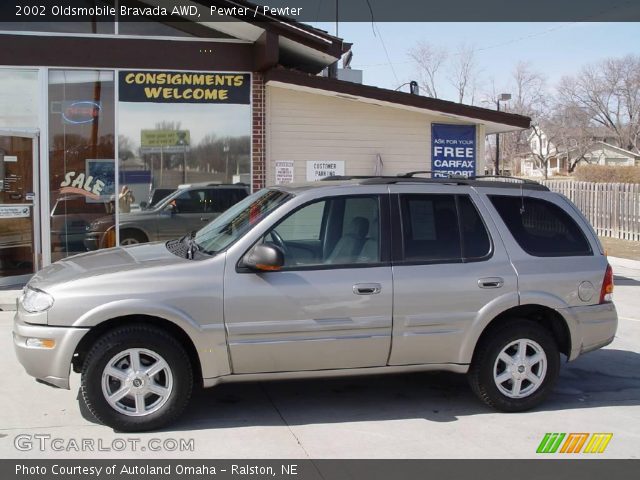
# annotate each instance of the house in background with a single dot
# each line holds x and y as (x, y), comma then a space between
(602, 153)
(597, 153)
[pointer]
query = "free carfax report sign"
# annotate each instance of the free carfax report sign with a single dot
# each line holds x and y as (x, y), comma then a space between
(453, 150)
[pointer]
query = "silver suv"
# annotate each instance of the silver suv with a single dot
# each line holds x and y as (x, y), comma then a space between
(365, 275)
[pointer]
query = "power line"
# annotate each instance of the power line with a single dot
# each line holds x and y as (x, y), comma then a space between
(374, 27)
(482, 49)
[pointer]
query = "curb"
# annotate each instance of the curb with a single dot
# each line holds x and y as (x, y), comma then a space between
(624, 262)
(8, 300)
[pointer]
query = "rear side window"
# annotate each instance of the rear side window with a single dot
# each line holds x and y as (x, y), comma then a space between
(475, 239)
(430, 228)
(541, 228)
(442, 228)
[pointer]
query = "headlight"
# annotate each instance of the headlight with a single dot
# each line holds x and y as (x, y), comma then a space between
(36, 301)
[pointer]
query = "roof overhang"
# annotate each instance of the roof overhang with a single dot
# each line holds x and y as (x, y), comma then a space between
(301, 46)
(494, 121)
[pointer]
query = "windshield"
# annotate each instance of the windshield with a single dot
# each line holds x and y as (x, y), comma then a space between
(238, 220)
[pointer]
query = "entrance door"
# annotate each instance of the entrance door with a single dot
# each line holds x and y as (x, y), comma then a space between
(19, 219)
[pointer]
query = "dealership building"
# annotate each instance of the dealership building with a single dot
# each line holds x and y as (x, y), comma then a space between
(91, 110)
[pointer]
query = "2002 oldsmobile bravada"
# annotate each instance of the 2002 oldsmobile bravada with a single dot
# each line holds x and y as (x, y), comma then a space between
(357, 275)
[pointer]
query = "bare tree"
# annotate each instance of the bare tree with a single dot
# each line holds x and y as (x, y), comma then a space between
(574, 134)
(168, 125)
(429, 60)
(529, 96)
(610, 92)
(464, 73)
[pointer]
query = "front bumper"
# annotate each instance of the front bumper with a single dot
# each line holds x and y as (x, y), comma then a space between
(49, 365)
(591, 327)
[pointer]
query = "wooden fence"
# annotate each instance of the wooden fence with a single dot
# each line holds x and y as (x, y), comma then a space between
(612, 208)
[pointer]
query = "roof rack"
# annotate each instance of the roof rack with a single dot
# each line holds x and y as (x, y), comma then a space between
(477, 181)
(505, 178)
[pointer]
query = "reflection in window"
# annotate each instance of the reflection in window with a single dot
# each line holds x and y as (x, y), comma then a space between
(81, 155)
(178, 129)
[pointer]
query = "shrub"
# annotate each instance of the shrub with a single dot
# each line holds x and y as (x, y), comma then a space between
(607, 174)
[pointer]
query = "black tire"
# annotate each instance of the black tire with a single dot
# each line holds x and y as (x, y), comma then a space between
(132, 237)
(137, 336)
(481, 373)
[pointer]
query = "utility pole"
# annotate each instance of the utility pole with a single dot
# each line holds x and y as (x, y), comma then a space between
(502, 98)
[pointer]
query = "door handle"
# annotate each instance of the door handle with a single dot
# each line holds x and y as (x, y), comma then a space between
(367, 288)
(204, 219)
(491, 282)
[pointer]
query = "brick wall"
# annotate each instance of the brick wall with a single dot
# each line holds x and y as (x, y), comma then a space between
(258, 133)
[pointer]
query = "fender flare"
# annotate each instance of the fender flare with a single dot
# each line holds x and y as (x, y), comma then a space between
(209, 341)
(501, 304)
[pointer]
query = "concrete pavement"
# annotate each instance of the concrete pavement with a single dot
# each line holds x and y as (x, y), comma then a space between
(405, 416)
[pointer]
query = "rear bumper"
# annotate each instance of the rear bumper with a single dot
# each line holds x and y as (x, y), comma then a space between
(49, 365)
(591, 327)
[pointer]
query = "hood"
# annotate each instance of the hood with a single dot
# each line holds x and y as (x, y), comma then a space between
(134, 258)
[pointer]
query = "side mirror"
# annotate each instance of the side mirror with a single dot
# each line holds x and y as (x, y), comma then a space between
(264, 258)
(143, 205)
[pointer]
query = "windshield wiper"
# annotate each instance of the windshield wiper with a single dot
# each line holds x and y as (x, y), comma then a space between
(192, 245)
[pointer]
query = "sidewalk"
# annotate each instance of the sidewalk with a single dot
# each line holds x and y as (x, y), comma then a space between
(625, 249)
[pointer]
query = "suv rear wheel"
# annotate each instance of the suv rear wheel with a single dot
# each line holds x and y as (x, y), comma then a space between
(516, 366)
(136, 378)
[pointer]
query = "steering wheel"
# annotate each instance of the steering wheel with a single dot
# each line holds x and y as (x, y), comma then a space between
(277, 240)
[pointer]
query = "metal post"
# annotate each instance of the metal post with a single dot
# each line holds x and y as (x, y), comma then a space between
(498, 145)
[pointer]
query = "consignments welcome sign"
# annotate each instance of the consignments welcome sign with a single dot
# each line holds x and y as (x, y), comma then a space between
(184, 87)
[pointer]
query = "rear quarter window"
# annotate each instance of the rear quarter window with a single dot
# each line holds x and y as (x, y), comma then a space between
(540, 227)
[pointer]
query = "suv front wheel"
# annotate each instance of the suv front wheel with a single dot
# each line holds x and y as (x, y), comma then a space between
(136, 378)
(515, 366)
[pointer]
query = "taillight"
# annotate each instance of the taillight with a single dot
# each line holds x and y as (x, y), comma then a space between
(606, 293)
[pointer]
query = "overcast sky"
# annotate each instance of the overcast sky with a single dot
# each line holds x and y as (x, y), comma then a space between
(555, 48)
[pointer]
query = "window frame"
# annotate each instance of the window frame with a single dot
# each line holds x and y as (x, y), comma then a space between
(398, 228)
(385, 243)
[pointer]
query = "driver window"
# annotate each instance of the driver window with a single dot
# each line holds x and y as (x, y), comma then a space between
(191, 201)
(340, 231)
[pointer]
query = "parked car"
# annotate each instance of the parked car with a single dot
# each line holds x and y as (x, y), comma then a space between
(186, 209)
(70, 217)
(156, 195)
(388, 274)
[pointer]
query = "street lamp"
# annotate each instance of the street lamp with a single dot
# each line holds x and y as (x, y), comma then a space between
(503, 97)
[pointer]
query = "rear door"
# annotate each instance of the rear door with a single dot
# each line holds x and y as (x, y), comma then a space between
(451, 272)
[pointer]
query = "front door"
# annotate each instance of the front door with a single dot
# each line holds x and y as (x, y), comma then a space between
(330, 306)
(19, 232)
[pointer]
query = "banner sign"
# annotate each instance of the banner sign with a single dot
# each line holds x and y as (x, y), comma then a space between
(185, 87)
(453, 150)
(317, 170)
(164, 138)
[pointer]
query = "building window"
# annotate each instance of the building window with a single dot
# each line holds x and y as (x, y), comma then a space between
(178, 128)
(81, 157)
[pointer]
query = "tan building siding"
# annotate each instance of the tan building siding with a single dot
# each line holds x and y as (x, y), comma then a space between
(304, 126)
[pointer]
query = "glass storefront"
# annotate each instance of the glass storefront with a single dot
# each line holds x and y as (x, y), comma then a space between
(179, 128)
(180, 134)
(18, 177)
(81, 155)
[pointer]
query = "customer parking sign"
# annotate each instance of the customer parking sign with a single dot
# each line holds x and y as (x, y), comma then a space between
(453, 150)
